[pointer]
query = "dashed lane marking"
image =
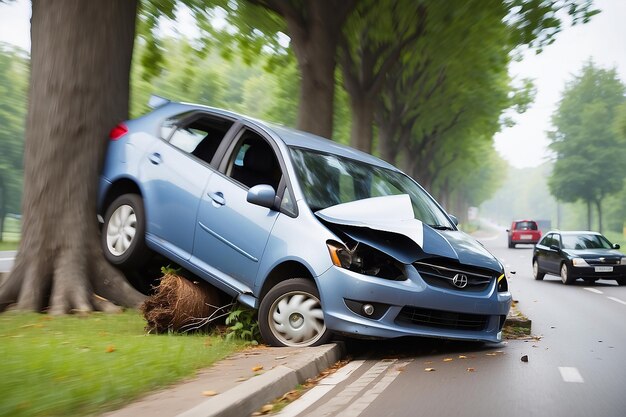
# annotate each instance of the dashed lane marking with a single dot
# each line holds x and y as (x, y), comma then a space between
(617, 300)
(593, 290)
(570, 374)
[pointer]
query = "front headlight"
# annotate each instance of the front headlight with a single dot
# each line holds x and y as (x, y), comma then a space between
(579, 262)
(365, 260)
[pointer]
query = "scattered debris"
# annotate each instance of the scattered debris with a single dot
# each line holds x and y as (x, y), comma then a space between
(429, 370)
(462, 357)
(257, 368)
(471, 369)
(209, 393)
(448, 360)
(525, 358)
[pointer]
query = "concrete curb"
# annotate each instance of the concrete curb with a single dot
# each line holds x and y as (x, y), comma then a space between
(249, 396)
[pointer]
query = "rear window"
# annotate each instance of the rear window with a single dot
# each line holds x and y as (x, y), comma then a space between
(525, 226)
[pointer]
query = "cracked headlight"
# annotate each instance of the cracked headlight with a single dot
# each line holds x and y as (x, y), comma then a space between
(365, 260)
(579, 262)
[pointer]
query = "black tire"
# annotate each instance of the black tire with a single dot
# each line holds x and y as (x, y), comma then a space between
(511, 245)
(291, 314)
(566, 276)
(537, 273)
(124, 232)
(621, 282)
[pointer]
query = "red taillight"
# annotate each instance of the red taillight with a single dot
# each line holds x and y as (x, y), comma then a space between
(118, 131)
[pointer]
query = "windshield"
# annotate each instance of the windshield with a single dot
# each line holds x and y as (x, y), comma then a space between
(585, 242)
(327, 180)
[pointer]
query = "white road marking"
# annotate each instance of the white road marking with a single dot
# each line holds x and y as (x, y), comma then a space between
(345, 397)
(617, 300)
(593, 290)
(356, 408)
(321, 389)
(570, 374)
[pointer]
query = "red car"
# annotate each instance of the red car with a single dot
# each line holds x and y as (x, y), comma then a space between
(523, 231)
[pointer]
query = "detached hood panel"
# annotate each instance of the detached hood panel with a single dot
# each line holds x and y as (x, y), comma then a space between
(388, 224)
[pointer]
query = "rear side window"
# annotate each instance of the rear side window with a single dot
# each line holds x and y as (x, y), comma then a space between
(199, 135)
(526, 226)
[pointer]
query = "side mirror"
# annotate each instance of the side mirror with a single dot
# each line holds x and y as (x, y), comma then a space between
(262, 195)
(616, 246)
(555, 248)
(508, 230)
(454, 219)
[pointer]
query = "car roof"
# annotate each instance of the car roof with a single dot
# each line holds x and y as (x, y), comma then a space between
(297, 138)
(575, 232)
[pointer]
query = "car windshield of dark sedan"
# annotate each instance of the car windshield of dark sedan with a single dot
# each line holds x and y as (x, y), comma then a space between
(327, 180)
(585, 242)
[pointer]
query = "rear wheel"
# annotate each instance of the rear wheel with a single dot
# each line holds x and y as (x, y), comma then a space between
(291, 315)
(511, 244)
(123, 233)
(566, 276)
(537, 273)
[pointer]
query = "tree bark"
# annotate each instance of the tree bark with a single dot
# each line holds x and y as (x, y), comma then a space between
(314, 27)
(80, 59)
(599, 207)
(588, 214)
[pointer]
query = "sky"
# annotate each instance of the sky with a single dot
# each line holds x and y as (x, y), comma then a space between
(524, 145)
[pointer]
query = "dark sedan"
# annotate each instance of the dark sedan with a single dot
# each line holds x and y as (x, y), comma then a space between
(574, 255)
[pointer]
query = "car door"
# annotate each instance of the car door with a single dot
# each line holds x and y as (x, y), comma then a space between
(553, 254)
(175, 173)
(231, 233)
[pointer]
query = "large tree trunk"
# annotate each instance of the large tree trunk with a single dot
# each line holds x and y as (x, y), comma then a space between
(361, 135)
(81, 53)
(589, 214)
(314, 27)
(599, 207)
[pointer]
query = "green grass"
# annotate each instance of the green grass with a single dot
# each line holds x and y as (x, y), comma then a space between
(64, 366)
(10, 239)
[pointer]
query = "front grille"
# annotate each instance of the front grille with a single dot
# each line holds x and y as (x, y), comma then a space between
(442, 275)
(603, 261)
(442, 319)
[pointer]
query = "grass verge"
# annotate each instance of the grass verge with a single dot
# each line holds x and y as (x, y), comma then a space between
(63, 366)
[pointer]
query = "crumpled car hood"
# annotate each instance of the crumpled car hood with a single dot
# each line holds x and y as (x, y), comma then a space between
(388, 224)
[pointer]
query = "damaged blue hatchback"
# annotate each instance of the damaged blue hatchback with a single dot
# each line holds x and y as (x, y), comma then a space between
(319, 237)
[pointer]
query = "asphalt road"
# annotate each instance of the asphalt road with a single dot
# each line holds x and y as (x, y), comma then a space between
(6, 260)
(576, 365)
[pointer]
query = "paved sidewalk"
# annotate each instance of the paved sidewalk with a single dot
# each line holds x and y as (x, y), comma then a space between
(242, 383)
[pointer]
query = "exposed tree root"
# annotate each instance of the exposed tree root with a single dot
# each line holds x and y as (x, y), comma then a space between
(181, 305)
(78, 281)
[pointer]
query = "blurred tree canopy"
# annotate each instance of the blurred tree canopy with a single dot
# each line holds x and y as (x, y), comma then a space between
(589, 145)
(13, 89)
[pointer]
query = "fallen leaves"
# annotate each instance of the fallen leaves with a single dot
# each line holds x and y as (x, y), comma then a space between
(257, 368)
(429, 370)
(110, 349)
(471, 370)
(209, 393)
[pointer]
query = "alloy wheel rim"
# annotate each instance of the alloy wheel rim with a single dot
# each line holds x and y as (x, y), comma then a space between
(296, 319)
(121, 230)
(564, 273)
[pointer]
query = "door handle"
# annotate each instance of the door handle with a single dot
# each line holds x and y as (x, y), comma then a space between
(218, 198)
(155, 158)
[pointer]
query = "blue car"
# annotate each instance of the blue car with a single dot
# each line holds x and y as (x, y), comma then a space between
(319, 237)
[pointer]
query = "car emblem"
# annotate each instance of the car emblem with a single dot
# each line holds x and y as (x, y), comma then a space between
(602, 259)
(460, 281)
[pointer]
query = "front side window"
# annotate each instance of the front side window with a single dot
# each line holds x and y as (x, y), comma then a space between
(327, 180)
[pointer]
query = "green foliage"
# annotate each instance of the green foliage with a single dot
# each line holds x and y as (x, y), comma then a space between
(589, 150)
(13, 89)
(87, 365)
(243, 324)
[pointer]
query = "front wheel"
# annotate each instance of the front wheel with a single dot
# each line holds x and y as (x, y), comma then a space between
(566, 277)
(291, 315)
(123, 233)
(537, 273)
(621, 282)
